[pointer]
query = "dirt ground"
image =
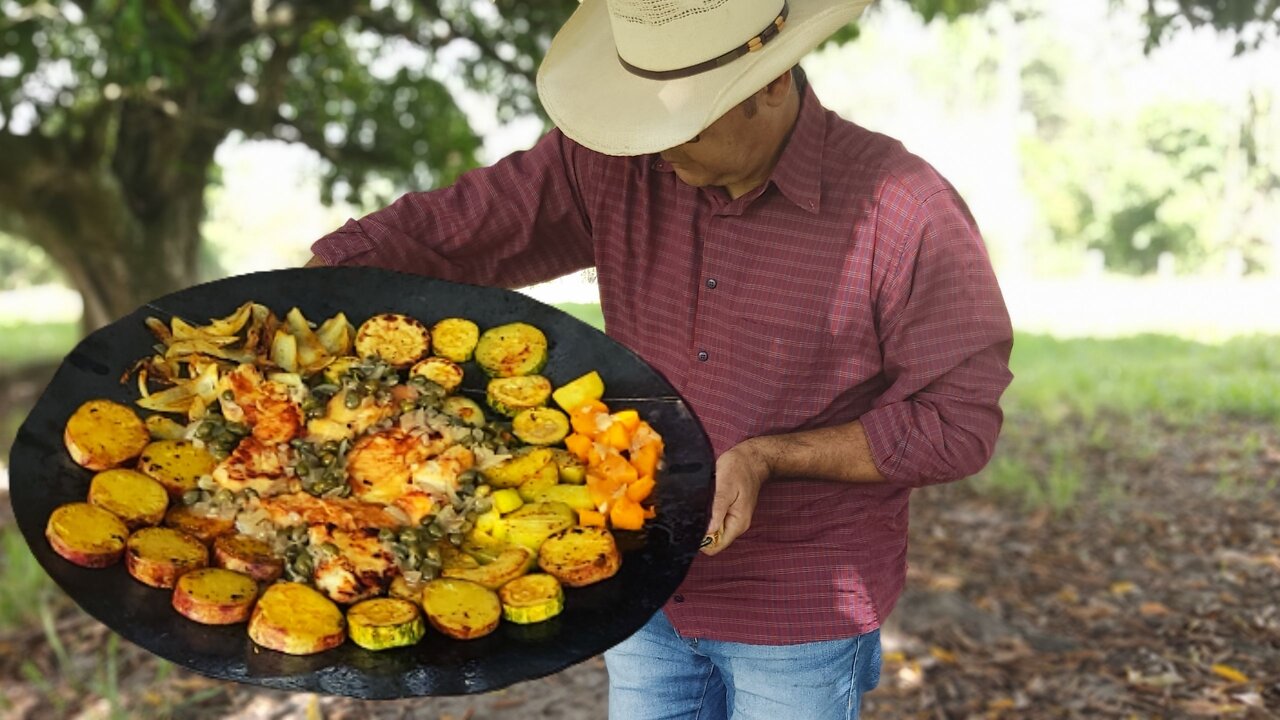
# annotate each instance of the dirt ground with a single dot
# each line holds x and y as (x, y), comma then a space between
(1154, 595)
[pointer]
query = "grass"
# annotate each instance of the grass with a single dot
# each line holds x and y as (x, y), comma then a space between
(29, 343)
(24, 586)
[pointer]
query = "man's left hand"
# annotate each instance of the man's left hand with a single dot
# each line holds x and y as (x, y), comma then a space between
(739, 474)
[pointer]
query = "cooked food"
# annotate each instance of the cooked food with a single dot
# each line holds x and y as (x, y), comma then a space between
(158, 556)
(295, 619)
(102, 434)
(531, 598)
(399, 340)
(384, 623)
(129, 495)
(512, 349)
(215, 596)
(510, 395)
(455, 338)
(176, 464)
(460, 608)
(341, 467)
(86, 535)
(247, 555)
(580, 556)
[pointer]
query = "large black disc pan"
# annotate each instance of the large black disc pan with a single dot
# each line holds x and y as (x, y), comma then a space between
(595, 618)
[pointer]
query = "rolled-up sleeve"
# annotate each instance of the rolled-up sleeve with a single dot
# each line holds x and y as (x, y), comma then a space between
(945, 338)
(514, 223)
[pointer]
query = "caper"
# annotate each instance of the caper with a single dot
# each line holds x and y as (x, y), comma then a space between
(382, 397)
(228, 395)
(414, 558)
(407, 406)
(298, 533)
(238, 428)
(250, 493)
(327, 458)
(400, 550)
(224, 497)
(352, 401)
(328, 549)
(483, 490)
(302, 469)
(408, 537)
(191, 497)
(418, 381)
(429, 572)
(387, 536)
(455, 538)
(204, 430)
(304, 565)
(433, 555)
(484, 504)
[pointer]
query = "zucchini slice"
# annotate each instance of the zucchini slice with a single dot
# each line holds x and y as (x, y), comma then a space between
(531, 598)
(464, 409)
(439, 370)
(398, 339)
(511, 350)
(455, 338)
(540, 425)
(384, 623)
(510, 395)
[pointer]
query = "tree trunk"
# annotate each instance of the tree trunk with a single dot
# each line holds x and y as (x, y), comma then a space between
(122, 221)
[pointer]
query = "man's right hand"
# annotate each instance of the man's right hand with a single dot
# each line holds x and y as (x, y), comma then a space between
(315, 261)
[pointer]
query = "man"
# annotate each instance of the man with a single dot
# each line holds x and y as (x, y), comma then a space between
(820, 297)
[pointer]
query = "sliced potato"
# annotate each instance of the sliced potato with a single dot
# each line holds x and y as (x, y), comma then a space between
(102, 434)
(215, 596)
(533, 523)
(460, 608)
(296, 619)
(455, 338)
(580, 556)
(512, 349)
(512, 472)
(507, 566)
(548, 476)
(510, 395)
(205, 528)
(136, 499)
(441, 371)
(531, 598)
(398, 339)
(577, 497)
(384, 623)
(158, 556)
(176, 464)
(578, 392)
(86, 535)
(248, 555)
(540, 425)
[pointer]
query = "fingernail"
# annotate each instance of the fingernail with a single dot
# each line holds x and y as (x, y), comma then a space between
(707, 541)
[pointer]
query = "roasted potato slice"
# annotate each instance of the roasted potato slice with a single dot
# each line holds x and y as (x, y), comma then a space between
(136, 499)
(398, 339)
(532, 523)
(215, 596)
(176, 464)
(384, 623)
(296, 619)
(102, 434)
(512, 472)
(460, 608)
(86, 535)
(507, 566)
(511, 349)
(158, 556)
(205, 528)
(580, 556)
(248, 555)
(531, 598)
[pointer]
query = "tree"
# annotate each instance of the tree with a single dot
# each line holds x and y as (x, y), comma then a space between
(110, 111)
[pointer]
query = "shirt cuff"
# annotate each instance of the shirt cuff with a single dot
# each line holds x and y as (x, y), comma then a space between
(343, 245)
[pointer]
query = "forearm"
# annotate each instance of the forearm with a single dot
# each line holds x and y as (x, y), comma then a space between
(840, 453)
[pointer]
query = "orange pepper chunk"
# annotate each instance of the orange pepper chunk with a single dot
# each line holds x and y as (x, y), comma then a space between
(630, 419)
(645, 458)
(641, 488)
(618, 470)
(601, 488)
(583, 418)
(590, 518)
(626, 514)
(579, 445)
(616, 437)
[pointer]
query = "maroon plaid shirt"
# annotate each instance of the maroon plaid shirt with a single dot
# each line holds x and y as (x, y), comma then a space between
(853, 284)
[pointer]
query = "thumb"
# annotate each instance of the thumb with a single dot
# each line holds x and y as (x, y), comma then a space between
(719, 509)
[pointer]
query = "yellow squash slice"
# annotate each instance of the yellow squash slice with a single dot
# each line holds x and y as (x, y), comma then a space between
(102, 434)
(398, 339)
(86, 535)
(384, 623)
(512, 349)
(531, 598)
(441, 371)
(296, 619)
(129, 495)
(510, 395)
(455, 338)
(460, 608)
(214, 596)
(540, 425)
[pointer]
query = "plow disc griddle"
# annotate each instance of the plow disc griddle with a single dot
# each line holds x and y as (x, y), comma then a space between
(595, 617)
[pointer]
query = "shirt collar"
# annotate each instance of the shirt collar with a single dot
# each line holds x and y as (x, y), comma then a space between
(798, 174)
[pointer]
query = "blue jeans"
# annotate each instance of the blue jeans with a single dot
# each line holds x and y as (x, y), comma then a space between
(658, 675)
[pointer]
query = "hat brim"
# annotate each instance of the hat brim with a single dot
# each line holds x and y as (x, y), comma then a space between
(598, 103)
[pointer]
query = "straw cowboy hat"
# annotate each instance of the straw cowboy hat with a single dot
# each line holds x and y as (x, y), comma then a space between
(631, 77)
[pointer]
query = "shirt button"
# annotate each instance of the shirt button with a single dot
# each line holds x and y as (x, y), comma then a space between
(703, 356)
(678, 598)
(711, 283)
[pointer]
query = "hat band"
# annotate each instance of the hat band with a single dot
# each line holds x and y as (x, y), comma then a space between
(751, 46)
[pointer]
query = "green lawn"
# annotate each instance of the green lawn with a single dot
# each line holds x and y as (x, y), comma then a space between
(26, 343)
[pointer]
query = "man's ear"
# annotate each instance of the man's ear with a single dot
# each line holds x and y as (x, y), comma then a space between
(775, 93)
